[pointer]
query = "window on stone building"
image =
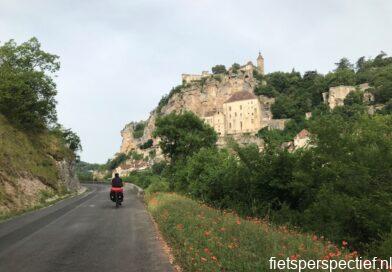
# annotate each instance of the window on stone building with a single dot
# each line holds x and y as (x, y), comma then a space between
(252, 121)
(229, 108)
(235, 114)
(241, 125)
(240, 107)
(229, 125)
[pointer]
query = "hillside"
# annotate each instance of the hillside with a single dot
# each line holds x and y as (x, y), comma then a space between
(32, 168)
(247, 105)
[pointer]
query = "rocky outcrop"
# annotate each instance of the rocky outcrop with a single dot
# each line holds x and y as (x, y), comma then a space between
(67, 175)
(128, 141)
(336, 95)
(199, 97)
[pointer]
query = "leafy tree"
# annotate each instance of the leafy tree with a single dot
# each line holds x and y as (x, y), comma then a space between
(183, 134)
(70, 138)
(135, 156)
(354, 98)
(147, 144)
(387, 108)
(382, 81)
(283, 82)
(139, 130)
(360, 65)
(219, 69)
(352, 158)
(344, 64)
(27, 88)
(341, 77)
(235, 67)
(268, 91)
(116, 161)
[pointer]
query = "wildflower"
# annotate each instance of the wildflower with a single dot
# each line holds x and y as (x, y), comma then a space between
(344, 243)
(180, 226)
(238, 222)
(231, 246)
(314, 238)
(214, 258)
(207, 233)
(203, 259)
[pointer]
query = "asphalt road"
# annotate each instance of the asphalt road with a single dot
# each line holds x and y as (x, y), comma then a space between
(85, 233)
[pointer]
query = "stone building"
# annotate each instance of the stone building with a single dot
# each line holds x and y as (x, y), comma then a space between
(242, 112)
(260, 64)
(187, 78)
(248, 68)
(216, 119)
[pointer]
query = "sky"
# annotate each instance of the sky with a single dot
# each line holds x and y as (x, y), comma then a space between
(118, 58)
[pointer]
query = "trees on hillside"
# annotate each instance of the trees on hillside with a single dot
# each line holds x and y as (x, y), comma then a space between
(219, 69)
(183, 134)
(70, 138)
(27, 88)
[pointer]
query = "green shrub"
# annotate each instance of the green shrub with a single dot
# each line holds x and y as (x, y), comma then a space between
(158, 186)
(117, 161)
(135, 156)
(158, 167)
(146, 144)
(139, 130)
(219, 69)
(235, 67)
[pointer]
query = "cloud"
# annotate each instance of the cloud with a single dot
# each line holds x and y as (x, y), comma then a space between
(119, 57)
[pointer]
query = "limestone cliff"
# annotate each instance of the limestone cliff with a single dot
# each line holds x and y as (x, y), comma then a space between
(199, 97)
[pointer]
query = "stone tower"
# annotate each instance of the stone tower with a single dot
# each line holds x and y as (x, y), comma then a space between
(260, 64)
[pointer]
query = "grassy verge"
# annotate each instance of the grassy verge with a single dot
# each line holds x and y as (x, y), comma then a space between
(206, 239)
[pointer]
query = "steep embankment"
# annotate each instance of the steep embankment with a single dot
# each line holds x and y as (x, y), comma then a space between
(32, 168)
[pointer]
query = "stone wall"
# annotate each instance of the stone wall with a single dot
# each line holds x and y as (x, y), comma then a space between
(188, 78)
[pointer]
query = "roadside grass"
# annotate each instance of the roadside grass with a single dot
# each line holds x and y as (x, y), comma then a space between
(206, 239)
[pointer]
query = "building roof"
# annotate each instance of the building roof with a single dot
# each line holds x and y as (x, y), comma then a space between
(243, 95)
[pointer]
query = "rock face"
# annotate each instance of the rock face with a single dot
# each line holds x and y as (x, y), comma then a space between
(67, 175)
(26, 190)
(128, 141)
(208, 96)
(198, 97)
(336, 95)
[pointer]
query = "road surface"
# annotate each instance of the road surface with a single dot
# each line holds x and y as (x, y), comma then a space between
(85, 233)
